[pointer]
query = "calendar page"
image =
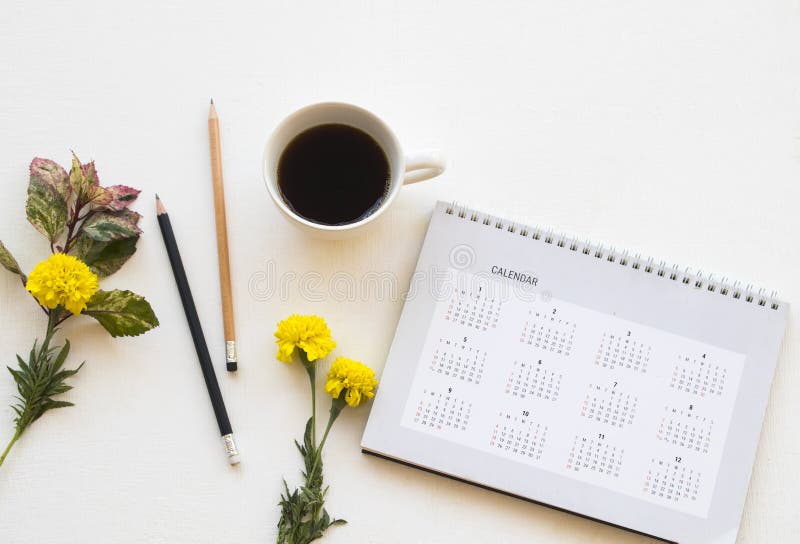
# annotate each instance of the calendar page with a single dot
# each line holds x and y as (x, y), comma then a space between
(592, 380)
(576, 392)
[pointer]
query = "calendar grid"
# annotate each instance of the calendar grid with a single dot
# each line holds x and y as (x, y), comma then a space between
(633, 397)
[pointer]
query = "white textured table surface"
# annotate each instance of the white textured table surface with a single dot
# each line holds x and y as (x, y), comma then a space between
(669, 128)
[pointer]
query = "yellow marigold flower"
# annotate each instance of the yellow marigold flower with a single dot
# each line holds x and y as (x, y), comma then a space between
(356, 379)
(62, 280)
(306, 332)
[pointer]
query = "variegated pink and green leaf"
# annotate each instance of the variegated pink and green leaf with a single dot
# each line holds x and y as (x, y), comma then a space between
(106, 226)
(121, 197)
(129, 215)
(51, 173)
(89, 172)
(122, 313)
(46, 208)
(85, 183)
(77, 179)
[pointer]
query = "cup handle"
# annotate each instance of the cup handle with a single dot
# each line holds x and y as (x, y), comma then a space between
(423, 165)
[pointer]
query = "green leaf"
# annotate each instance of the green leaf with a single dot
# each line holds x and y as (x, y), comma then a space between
(9, 262)
(46, 208)
(307, 435)
(324, 521)
(122, 313)
(104, 258)
(58, 362)
(38, 381)
(59, 404)
(106, 240)
(106, 226)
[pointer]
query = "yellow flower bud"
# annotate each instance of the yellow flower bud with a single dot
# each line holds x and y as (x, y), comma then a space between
(356, 379)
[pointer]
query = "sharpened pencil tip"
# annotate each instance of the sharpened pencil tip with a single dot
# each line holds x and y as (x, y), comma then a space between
(212, 101)
(160, 209)
(157, 197)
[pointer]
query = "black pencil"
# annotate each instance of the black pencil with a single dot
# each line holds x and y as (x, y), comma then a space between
(197, 333)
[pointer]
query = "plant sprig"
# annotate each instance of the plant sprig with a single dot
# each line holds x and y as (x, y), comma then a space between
(350, 383)
(92, 233)
(38, 380)
(303, 516)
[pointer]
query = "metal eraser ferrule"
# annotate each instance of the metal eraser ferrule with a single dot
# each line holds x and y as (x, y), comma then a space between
(230, 351)
(230, 448)
(231, 361)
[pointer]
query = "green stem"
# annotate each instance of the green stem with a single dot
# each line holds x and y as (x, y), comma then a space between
(52, 321)
(336, 409)
(311, 376)
(16, 436)
(311, 370)
(73, 223)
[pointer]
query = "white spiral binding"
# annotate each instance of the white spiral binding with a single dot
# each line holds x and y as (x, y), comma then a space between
(698, 280)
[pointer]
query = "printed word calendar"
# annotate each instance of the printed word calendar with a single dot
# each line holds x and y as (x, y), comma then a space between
(579, 378)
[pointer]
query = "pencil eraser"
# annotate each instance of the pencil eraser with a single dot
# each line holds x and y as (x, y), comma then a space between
(232, 367)
(234, 459)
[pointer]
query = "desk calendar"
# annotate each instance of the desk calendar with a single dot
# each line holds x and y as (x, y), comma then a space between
(584, 379)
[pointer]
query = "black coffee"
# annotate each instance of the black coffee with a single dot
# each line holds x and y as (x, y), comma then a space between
(333, 174)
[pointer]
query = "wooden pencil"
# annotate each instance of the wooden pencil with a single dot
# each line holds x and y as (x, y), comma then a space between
(231, 357)
(196, 329)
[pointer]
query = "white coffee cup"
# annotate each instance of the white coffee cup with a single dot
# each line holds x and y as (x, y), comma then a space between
(403, 169)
